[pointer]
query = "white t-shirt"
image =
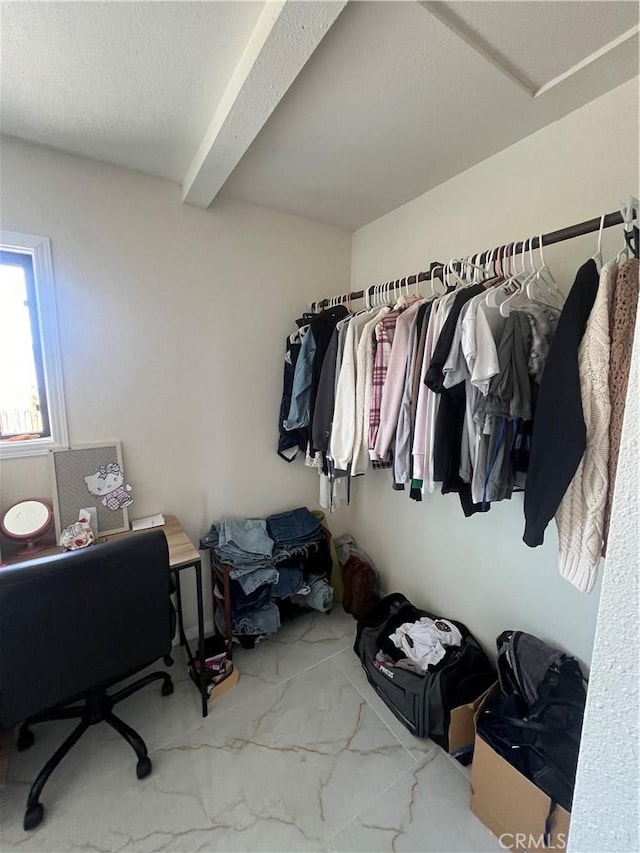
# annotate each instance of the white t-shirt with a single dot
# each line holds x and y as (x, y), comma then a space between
(425, 641)
(483, 345)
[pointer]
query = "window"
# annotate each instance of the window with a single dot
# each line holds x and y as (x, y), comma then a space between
(32, 416)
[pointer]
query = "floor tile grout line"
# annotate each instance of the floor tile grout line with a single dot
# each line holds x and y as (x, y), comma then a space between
(172, 740)
(281, 682)
(380, 717)
(375, 799)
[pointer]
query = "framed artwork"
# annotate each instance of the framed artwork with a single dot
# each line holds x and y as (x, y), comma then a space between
(91, 475)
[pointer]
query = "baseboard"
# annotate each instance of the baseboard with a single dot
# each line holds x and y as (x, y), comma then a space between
(192, 632)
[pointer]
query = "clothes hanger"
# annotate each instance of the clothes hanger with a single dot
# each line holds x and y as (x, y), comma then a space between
(519, 278)
(544, 279)
(511, 288)
(416, 286)
(597, 258)
(629, 213)
(489, 269)
(451, 271)
(493, 297)
(632, 234)
(496, 274)
(473, 273)
(432, 279)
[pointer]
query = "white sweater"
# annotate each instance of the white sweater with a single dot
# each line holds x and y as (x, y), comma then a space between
(580, 516)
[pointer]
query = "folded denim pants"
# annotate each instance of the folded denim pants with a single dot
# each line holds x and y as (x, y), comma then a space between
(296, 525)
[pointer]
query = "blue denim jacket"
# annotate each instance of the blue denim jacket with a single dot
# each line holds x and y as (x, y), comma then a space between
(300, 409)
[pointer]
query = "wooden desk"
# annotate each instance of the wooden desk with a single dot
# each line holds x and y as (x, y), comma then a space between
(182, 555)
(182, 551)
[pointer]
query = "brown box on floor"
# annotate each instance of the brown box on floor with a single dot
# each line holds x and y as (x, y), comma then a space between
(462, 725)
(511, 806)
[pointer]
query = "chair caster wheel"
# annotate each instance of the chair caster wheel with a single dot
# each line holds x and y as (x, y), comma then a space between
(26, 738)
(168, 660)
(33, 816)
(167, 688)
(143, 768)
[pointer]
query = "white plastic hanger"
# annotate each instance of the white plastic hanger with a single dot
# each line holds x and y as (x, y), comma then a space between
(495, 296)
(598, 255)
(544, 280)
(523, 278)
(629, 212)
(432, 282)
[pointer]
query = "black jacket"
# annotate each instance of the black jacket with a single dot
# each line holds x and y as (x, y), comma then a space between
(559, 433)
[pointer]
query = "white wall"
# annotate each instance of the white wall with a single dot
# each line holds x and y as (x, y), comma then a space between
(478, 570)
(173, 323)
(606, 803)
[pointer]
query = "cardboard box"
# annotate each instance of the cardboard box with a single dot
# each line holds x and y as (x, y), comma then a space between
(511, 806)
(462, 726)
(221, 688)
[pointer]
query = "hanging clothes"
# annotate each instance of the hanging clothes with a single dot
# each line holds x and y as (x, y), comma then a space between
(322, 327)
(343, 434)
(394, 381)
(622, 327)
(300, 409)
(490, 388)
(404, 431)
(559, 433)
(449, 421)
(425, 405)
(290, 442)
(384, 332)
(580, 516)
(325, 400)
(364, 376)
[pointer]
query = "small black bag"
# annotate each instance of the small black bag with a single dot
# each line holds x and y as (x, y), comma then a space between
(540, 738)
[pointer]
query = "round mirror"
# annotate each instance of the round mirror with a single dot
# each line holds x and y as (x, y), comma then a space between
(26, 522)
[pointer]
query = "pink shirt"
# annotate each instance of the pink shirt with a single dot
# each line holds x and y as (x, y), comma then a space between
(394, 381)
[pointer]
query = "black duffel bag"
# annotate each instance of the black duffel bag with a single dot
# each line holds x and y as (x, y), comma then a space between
(537, 731)
(422, 702)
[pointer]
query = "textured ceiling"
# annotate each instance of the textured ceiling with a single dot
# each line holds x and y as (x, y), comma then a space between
(393, 101)
(131, 83)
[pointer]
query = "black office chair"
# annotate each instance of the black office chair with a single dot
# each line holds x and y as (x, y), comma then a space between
(72, 626)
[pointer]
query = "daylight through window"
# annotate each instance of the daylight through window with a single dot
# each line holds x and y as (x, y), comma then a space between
(23, 399)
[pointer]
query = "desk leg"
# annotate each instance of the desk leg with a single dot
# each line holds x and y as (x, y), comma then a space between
(181, 634)
(203, 683)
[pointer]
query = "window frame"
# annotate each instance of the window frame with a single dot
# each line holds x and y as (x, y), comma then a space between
(39, 248)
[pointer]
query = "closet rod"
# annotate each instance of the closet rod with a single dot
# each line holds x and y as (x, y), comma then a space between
(587, 227)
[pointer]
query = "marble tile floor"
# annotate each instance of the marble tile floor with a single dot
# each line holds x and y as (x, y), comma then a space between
(300, 755)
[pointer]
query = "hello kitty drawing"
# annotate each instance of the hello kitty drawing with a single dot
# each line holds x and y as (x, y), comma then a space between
(108, 483)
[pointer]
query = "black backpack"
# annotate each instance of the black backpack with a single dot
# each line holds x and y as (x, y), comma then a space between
(535, 720)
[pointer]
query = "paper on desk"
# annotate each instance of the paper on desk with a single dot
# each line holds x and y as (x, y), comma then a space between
(149, 521)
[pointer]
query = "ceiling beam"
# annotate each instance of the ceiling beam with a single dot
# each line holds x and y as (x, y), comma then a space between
(588, 60)
(285, 36)
(481, 46)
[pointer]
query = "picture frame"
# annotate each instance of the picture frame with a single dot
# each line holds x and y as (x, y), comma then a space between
(69, 468)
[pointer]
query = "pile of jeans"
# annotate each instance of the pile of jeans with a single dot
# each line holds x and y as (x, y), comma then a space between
(242, 543)
(294, 532)
(268, 559)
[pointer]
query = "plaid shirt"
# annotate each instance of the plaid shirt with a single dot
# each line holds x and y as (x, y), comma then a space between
(383, 340)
